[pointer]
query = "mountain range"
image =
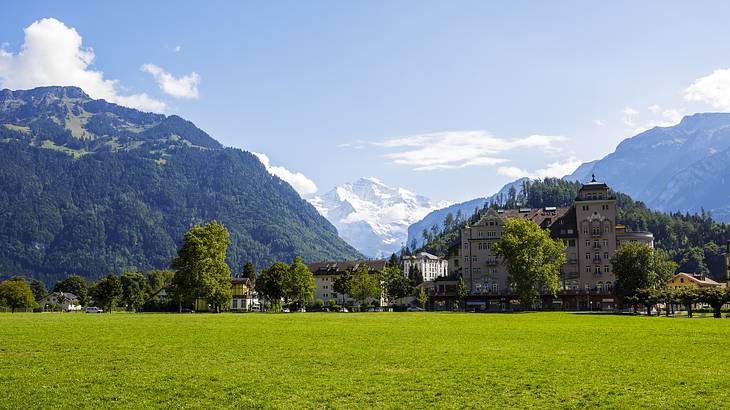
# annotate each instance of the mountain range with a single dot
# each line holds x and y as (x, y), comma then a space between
(685, 167)
(371, 216)
(90, 187)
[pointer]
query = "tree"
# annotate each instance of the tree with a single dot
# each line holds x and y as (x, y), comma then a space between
(687, 297)
(422, 297)
(271, 285)
(249, 272)
(74, 284)
(393, 261)
(159, 280)
(414, 244)
(135, 290)
(396, 285)
(107, 292)
(201, 269)
(533, 258)
(462, 292)
(299, 283)
(639, 267)
(364, 286)
(39, 289)
(15, 294)
(715, 297)
(692, 260)
(343, 285)
(448, 222)
(415, 275)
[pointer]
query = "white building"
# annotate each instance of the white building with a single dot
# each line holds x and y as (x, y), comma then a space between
(430, 266)
(63, 300)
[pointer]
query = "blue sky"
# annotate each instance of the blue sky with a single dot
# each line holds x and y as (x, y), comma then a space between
(449, 99)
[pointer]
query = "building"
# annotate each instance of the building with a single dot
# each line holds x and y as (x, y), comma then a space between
(325, 274)
(692, 280)
(244, 298)
(591, 237)
(60, 300)
(430, 266)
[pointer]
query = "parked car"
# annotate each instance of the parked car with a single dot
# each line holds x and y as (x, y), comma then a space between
(187, 310)
(415, 309)
(285, 310)
(344, 310)
(375, 309)
(93, 309)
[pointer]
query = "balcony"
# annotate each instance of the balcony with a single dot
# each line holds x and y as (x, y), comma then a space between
(492, 262)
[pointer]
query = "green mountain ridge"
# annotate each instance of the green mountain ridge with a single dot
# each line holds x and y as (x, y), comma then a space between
(89, 187)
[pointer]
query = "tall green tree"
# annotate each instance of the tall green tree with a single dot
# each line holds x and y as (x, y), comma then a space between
(396, 285)
(692, 260)
(299, 283)
(159, 280)
(533, 258)
(15, 294)
(422, 296)
(249, 272)
(639, 268)
(39, 289)
(364, 285)
(135, 290)
(715, 297)
(343, 285)
(201, 269)
(462, 292)
(687, 297)
(271, 284)
(107, 292)
(74, 284)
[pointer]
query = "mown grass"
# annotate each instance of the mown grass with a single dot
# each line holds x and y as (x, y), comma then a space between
(369, 360)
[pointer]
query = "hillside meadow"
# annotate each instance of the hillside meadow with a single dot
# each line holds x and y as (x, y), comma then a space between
(368, 360)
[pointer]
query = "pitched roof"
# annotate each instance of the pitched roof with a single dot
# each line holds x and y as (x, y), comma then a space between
(700, 279)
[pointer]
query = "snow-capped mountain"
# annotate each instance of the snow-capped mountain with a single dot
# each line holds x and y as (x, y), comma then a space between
(372, 216)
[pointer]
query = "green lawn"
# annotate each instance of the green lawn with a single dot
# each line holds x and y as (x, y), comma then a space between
(381, 360)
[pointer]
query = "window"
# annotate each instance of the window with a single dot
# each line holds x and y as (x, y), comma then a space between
(597, 270)
(588, 244)
(571, 242)
(596, 230)
(606, 269)
(596, 256)
(570, 231)
(605, 255)
(588, 269)
(495, 287)
(605, 243)
(588, 256)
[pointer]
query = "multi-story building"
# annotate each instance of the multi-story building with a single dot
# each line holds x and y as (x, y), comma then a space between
(430, 266)
(325, 274)
(591, 238)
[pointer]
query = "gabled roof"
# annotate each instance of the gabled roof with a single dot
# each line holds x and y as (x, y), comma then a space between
(699, 279)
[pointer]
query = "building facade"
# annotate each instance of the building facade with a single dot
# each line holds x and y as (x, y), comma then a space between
(591, 237)
(325, 274)
(692, 280)
(430, 266)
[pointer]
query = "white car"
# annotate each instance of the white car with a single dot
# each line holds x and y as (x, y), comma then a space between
(415, 309)
(285, 310)
(93, 309)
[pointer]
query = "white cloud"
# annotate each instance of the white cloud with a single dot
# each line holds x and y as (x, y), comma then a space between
(460, 149)
(178, 49)
(599, 123)
(630, 116)
(53, 54)
(713, 89)
(654, 108)
(297, 180)
(179, 87)
(555, 169)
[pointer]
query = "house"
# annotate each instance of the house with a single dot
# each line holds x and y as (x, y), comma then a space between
(692, 280)
(590, 234)
(60, 300)
(244, 297)
(430, 266)
(325, 274)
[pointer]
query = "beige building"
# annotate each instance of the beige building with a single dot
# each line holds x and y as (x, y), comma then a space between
(588, 230)
(430, 266)
(325, 274)
(692, 280)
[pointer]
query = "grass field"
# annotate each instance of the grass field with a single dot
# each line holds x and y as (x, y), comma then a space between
(383, 360)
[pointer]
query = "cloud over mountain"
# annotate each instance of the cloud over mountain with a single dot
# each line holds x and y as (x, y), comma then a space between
(53, 54)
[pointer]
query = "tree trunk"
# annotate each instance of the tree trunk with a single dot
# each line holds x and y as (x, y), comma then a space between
(648, 310)
(718, 312)
(689, 310)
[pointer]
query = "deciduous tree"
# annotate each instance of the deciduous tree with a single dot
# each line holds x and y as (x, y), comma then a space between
(74, 284)
(396, 285)
(365, 286)
(299, 283)
(135, 290)
(107, 292)
(639, 267)
(15, 294)
(201, 269)
(462, 292)
(39, 289)
(533, 258)
(715, 297)
(271, 284)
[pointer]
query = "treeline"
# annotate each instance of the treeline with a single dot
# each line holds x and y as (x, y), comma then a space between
(694, 241)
